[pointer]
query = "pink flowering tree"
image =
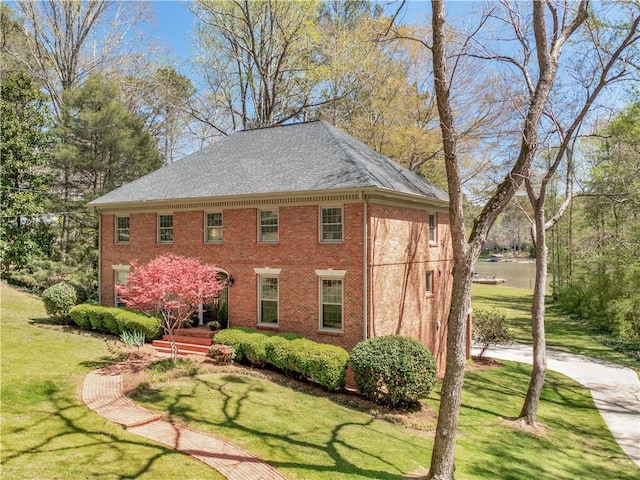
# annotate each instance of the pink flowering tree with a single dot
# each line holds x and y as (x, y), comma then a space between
(171, 287)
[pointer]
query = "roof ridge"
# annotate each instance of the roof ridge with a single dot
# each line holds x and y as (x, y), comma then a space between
(359, 165)
(265, 127)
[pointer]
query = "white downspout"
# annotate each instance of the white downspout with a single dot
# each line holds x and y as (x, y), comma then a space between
(99, 258)
(365, 268)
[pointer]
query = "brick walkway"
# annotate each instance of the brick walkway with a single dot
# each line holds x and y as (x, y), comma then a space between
(103, 394)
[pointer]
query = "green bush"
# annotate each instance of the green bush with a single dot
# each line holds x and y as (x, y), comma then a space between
(280, 352)
(97, 321)
(322, 364)
(115, 320)
(326, 365)
(234, 337)
(58, 300)
(393, 370)
(490, 327)
(80, 316)
(254, 348)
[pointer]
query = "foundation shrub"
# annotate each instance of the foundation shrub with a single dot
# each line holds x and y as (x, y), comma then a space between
(80, 316)
(115, 320)
(319, 363)
(393, 370)
(281, 351)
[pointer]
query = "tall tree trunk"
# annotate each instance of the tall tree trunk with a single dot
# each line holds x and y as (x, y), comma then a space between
(442, 457)
(530, 406)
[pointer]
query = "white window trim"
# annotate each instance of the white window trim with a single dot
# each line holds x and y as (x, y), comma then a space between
(268, 242)
(330, 274)
(118, 268)
(173, 226)
(260, 277)
(429, 289)
(435, 228)
(117, 230)
(206, 228)
(320, 223)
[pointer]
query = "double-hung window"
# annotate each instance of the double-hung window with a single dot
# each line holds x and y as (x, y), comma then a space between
(331, 224)
(213, 230)
(268, 226)
(331, 296)
(165, 228)
(122, 229)
(268, 300)
(433, 229)
(120, 277)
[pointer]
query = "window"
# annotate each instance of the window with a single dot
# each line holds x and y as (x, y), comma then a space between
(213, 230)
(331, 224)
(433, 229)
(331, 304)
(268, 228)
(429, 284)
(268, 300)
(120, 277)
(165, 228)
(122, 229)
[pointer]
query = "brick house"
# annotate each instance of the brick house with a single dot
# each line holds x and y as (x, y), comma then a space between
(317, 234)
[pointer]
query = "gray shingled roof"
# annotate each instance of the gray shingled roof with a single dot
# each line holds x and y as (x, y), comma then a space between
(299, 157)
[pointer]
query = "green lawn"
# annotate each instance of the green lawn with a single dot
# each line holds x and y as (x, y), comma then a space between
(48, 433)
(562, 332)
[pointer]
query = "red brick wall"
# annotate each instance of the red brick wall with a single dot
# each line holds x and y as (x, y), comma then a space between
(298, 254)
(400, 255)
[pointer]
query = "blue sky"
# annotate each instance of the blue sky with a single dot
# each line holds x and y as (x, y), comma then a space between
(174, 21)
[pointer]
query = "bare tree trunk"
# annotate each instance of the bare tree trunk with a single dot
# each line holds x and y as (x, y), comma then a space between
(530, 407)
(442, 457)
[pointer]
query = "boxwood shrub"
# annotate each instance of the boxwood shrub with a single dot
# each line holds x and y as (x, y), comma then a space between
(393, 370)
(115, 320)
(320, 363)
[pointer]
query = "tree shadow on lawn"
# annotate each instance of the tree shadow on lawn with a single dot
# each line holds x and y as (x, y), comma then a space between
(232, 408)
(510, 453)
(87, 446)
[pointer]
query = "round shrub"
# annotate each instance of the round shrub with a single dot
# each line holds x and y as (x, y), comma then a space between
(58, 300)
(393, 370)
(490, 328)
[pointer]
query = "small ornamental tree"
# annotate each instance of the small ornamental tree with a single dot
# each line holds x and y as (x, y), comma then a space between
(172, 287)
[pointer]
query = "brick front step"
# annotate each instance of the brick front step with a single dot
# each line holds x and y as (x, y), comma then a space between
(190, 340)
(196, 332)
(183, 348)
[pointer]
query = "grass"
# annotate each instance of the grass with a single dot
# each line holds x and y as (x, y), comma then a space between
(309, 436)
(46, 431)
(562, 332)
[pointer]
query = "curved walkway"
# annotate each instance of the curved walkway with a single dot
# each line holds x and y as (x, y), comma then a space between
(615, 389)
(102, 393)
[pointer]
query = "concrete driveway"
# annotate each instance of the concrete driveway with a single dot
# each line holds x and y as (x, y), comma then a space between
(615, 389)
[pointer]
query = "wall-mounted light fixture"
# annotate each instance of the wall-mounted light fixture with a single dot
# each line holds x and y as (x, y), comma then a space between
(230, 281)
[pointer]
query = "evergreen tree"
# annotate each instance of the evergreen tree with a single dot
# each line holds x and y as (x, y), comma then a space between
(24, 143)
(101, 146)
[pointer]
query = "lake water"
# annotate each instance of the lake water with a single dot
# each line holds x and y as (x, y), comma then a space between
(521, 275)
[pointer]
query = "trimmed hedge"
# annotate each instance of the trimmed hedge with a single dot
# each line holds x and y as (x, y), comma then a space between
(115, 320)
(393, 370)
(320, 363)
